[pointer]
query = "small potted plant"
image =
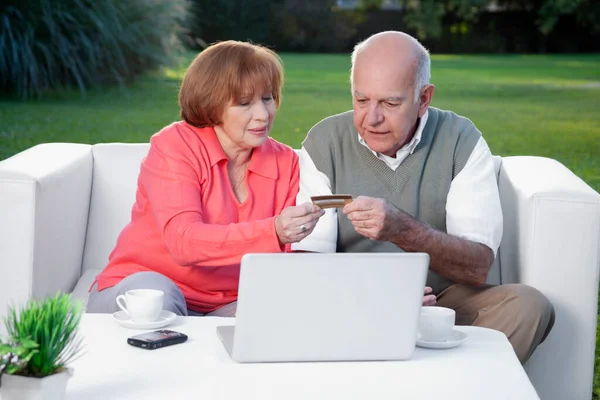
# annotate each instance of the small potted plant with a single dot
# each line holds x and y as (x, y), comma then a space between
(42, 340)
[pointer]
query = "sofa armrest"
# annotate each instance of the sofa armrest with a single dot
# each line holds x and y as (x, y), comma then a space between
(551, 242)
(44, 203)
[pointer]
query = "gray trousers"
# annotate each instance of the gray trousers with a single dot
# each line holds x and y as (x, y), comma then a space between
(105, 301)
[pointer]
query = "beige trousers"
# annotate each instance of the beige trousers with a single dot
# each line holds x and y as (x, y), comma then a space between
(521, 312)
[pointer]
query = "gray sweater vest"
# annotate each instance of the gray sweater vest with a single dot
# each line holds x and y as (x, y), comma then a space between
(419, 186)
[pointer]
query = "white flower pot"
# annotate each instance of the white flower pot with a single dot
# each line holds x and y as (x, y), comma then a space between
(53, 387)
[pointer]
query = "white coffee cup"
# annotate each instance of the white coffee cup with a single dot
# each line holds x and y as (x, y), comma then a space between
(436, 323)
(142, 305)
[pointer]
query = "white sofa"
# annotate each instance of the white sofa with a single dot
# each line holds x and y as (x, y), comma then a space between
(62, 206)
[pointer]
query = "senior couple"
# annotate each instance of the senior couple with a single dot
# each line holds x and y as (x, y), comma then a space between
(215, 186)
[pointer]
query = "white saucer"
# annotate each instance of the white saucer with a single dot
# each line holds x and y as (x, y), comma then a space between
(164, 319)
(457, 338)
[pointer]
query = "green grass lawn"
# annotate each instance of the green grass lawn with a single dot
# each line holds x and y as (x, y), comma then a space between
(540, 105)
(524, 105)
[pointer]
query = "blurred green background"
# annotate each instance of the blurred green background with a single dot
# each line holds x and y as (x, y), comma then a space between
(524, 105)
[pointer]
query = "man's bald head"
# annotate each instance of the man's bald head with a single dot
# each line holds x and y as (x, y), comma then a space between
(399, 49)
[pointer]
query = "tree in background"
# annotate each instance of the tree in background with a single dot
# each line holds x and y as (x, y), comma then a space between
(310, 25)
(286, 25)
(215, 20)
(587, 13)
(425, 16)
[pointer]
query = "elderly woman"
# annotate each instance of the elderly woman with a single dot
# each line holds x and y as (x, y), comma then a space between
(212, 188)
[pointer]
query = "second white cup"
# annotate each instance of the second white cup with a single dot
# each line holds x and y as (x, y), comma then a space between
(142, 305)
(436, 323)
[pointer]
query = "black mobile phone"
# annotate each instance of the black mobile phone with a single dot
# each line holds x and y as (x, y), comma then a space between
(157, 339)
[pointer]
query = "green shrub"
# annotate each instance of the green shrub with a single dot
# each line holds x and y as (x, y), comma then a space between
(46, 44)
(310, 25)
(285, 25)
(216, 20)
(42, 336)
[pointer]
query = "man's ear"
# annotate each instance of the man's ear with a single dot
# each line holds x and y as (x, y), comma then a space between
(425, 98)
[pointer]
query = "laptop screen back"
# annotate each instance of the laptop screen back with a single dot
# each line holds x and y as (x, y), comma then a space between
(313, 307)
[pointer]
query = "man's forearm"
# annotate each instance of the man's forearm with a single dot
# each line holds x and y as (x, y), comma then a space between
(459, 260)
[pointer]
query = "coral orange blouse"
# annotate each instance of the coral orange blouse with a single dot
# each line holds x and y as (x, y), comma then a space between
(188, 225)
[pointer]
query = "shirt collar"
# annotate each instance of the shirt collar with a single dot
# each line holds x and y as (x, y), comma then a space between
(410, 146)
(208, 137)
(262, 162)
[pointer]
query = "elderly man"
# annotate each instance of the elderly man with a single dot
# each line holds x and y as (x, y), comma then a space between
(423, 181)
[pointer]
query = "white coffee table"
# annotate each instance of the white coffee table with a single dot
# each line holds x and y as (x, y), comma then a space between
(484, 367)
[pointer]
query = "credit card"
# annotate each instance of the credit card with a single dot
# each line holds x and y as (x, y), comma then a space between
(332, 200)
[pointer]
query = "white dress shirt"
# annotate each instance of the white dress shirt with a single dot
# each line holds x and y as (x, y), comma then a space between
(473, 208)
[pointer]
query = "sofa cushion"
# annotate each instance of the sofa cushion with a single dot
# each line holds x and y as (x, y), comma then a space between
(81, 291)
(494, 276)
(114, 183)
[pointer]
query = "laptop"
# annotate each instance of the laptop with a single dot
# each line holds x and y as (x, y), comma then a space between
(295, 307)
